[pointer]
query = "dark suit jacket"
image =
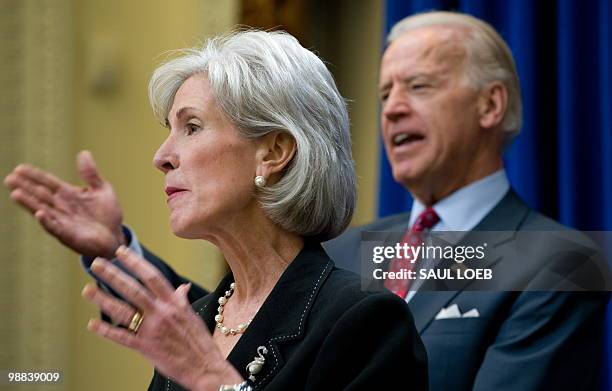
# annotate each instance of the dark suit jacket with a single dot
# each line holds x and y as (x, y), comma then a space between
(323, 332)
(521, 340)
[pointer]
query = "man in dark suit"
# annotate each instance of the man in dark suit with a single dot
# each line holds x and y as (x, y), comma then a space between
(450, 105)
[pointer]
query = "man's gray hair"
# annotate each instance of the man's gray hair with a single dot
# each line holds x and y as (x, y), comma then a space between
(266, 82)
(490, 58)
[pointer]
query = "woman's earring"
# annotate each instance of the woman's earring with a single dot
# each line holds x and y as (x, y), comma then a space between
(260, 181)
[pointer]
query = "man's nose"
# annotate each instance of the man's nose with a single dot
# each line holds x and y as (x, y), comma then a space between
(396, 105)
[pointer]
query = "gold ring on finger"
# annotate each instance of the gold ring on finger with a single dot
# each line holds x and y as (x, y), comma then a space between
(136, 322)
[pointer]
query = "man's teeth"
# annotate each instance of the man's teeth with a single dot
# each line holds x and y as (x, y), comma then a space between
(400, 138)
(405, 137)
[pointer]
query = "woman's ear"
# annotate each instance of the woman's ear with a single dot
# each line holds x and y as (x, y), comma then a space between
(276, 151)
(492, 105)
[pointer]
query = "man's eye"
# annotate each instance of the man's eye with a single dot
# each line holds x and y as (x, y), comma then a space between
(419, 86)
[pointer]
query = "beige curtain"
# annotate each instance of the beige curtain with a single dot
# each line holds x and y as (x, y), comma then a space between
(34, 117)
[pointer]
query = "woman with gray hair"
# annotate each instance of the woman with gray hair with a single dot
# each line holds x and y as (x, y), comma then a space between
(258, 162)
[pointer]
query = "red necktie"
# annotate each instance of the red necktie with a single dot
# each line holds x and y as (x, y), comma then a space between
(413, 237)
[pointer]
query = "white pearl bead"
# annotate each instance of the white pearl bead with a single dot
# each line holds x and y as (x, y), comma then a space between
(219, 317)
(260, 181)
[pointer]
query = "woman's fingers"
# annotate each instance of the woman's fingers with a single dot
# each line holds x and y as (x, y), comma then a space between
(121, 312)
(128, 287)
(49, 220)
(150, 276)
(27, 186)
(26, 200)
(183, 292)
(88, 169)
(54, 222)
(120, 336)
(39, 176)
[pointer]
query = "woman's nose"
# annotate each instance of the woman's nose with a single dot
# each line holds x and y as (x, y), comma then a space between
(165, 159)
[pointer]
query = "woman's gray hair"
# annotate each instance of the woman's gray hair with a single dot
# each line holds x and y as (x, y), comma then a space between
(490, 58)
(266, 82)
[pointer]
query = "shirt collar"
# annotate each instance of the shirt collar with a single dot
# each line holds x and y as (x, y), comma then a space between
(466, 207)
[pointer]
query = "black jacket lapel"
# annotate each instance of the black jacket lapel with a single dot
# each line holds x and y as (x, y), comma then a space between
(281, 318)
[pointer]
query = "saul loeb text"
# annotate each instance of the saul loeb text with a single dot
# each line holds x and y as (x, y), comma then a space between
(436, 257)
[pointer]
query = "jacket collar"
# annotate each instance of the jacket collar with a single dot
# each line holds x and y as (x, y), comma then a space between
(283, 315)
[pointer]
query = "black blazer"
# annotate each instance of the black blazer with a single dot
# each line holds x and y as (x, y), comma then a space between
(527, 341)
(323, 332)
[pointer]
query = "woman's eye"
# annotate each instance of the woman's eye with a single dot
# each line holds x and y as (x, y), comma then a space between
(191, 129)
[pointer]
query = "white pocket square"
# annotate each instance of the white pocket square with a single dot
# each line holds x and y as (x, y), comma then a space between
(453, 312)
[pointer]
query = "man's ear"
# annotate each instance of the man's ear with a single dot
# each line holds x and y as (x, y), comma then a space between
(492, 105)
(276, 151)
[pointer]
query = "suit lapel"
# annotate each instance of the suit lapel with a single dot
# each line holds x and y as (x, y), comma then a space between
(506, 216)
(423, 305)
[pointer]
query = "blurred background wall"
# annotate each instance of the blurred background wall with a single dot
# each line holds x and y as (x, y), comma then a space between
(73, 76)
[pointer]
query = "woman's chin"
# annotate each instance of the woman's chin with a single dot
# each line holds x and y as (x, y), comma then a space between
(182, 230)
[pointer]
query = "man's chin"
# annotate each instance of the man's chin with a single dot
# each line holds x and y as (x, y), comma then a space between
(407, 178)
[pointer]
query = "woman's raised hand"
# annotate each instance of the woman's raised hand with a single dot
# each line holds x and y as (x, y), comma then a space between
(170, 334)
(87, 220)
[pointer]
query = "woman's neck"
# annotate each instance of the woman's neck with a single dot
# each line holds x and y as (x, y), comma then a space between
(257, 256)
(257, 253)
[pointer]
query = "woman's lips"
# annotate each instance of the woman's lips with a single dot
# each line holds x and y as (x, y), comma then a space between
(173, 192)
(174, 195)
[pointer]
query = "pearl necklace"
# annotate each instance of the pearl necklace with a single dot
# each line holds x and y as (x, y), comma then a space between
(241, 328)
